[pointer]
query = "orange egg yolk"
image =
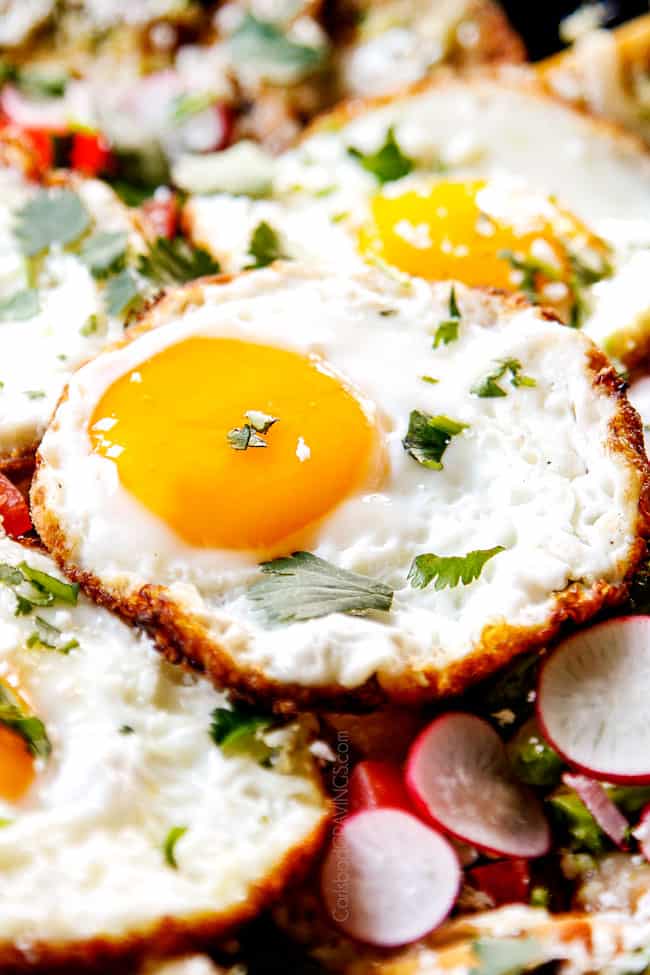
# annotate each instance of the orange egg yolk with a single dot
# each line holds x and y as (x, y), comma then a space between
(443, 232)
(166, 425)
(17, 768)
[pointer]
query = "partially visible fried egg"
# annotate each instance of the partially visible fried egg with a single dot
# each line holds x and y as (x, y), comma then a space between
(124, 823)
(54, 312)
(278, 412)
(484, 181)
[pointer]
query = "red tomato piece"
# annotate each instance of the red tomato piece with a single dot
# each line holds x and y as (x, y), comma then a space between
(377, 785)
(91, 154)
(504, 881)
(14, 511)
(160, 215)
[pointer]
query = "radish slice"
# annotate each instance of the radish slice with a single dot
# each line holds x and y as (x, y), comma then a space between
(592, 700)
(641, 832)
(458, 775)
(388, 879)
(608, 816)
(377, 785)
(50, 115)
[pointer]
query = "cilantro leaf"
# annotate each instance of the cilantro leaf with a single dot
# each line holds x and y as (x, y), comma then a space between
(43, 588)
(428, 437)
(122, 294)
(447, 330)
(261, 422)
(20, 306)
(489, 387)
(175, 261)
(54, 216)
(449, 570)
(49, 637)
(583, 276)
(506, 956)
(573, 817)
(388, 163)
(66, 592)
(28, 726)
(104, 252)
(532, 759)
(265, 46)
(303, 586)
(169, 846)
(265, 246)
(236, 731)
(241, 438)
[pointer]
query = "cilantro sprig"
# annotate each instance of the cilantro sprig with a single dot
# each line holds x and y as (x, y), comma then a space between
(448, 571)
(237, 730)
(428, 437)
(388, 163)
(265, 246)
(489, 387)
(104, 252)
(175, 261)
(447, 330)
(303, 586)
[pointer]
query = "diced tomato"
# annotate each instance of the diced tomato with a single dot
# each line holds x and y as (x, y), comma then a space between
(14, 511)
(377, 785)
(91, 154)
(504, 881)
(160, 215)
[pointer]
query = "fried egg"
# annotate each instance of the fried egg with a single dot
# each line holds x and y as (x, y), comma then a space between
(354, 418)
(441, 183)
(124, 824)
(53, 312)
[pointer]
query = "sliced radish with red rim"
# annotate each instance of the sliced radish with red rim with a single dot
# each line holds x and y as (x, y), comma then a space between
(641, 832)
(458, 775)
(389, 879)
(592, 700)
(608, 816)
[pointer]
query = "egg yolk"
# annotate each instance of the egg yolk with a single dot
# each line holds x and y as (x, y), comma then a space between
(17, 769)
(166, 426)
(445, 231)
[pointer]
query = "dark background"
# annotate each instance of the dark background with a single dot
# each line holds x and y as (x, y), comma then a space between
(537, 20)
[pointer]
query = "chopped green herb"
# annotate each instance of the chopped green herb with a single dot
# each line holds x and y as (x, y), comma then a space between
(265, 246)
(48, 637)
(43, 588)
(428, 437)
(54, 216)
(104, 252)
(583, 276)
(5, 822)
(236, 730)
(506, 956)
(388, 163)
(529, 269)
(169, 846)
(489, 387)
(66, 592)
(573, 818)
(630, 799)
(122, 294)
(37, 84)
(303, 587)
(532, 759)
(447, 330)
(126, 729)
(241, 438)
(430, 380)
(189, 104)
(28, 726)
(35, 394)
(449, 571)
(20, 306)
(540, 897)
(175, 261)
(90, 327)
(265, 46)
(261, 422)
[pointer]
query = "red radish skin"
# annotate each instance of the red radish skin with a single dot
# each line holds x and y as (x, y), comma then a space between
(459, 779)
(388, 879)
(14, 511)
(592, 700)
(608, 816)
(504, 882)
(376, 785)
(641, 832)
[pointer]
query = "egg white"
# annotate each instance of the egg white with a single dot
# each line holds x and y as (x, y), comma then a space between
(501, 130)
(534, 472)
(40, 353)
(82, 853)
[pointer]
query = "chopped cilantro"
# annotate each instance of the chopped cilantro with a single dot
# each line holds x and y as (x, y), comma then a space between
(241, 438)
(169, 846)
(20, 306)
(43, 588)
(265, 246)
(303, 586)
(90, 327)
(175, 261)
(265, 46)
(574, 819)
(38, 84)
(52, 216)
(430, 380)
(66, 592)
(35, 393)
(449, 571)
(122, 294)
(428, 437)
(104, 252)
(530, 269)
(532, 759)
(447, 330)
(261, 422)
(388, 163)
(48, 637)
(236, 730)
(489, 387)
(126, 729)
(28, 726)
